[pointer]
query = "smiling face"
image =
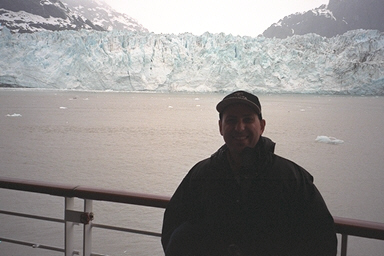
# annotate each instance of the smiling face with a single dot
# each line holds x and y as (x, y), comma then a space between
(240, 128)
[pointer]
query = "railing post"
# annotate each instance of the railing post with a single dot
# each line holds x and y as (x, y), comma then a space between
(69, 228)
(87, 230)
(344, 242)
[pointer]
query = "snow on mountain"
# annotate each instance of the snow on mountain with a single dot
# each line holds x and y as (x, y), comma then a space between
(336, 18)
(101, 14)
(22, 16)
(352, 63)
(28, 16)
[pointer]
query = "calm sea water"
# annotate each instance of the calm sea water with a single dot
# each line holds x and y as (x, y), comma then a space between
(145, 142)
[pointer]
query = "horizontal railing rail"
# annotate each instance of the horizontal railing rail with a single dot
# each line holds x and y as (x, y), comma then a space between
(85, 192)
(344, 226)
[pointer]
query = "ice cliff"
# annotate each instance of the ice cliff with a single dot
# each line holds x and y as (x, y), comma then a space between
(352, 63)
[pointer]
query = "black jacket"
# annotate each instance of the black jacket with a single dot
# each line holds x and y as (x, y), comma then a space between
(275, 209)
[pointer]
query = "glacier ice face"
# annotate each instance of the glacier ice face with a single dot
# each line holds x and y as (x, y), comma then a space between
(352, 63)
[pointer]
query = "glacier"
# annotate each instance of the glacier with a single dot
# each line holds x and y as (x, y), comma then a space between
(348, 64)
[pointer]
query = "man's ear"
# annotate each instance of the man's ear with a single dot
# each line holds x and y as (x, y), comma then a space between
(262, 125)
(220, 126)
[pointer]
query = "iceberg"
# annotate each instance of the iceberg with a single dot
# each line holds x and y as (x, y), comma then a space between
(328, 140)
(14, 115)
(349, 64)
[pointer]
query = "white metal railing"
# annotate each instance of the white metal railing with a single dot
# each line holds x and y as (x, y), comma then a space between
(345, 227)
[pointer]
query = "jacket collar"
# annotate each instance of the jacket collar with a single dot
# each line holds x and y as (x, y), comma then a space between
(261, 153)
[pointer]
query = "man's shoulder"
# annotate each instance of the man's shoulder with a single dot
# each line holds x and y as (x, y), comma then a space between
(201, 169)
(207, 166)
(288, 169)
(202, 164)
(285, 162)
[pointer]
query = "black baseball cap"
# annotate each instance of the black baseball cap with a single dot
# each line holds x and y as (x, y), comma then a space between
(240, 97)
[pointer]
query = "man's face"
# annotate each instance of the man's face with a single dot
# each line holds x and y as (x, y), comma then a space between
(240, 127)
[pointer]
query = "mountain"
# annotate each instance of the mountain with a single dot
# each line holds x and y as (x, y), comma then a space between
(27, 16)
(72, 48)
(336, 18)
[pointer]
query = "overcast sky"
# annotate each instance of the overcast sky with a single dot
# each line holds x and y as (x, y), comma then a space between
(236, 17)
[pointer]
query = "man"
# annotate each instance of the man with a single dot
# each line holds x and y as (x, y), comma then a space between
(244, 199)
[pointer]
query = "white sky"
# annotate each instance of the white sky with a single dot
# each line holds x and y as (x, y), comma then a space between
(236, 17)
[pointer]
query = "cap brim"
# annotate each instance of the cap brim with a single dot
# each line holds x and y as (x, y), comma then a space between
(227, 102)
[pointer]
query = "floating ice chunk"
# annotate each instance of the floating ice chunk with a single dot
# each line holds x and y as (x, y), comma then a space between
(63, 107)
(14, 115)
(329, 140)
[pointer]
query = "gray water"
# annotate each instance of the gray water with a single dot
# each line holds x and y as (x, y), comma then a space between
(146, 143)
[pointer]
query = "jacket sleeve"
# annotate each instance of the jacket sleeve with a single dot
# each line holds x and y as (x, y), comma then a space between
(176, 212)
(182, 207)
(315, 223)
